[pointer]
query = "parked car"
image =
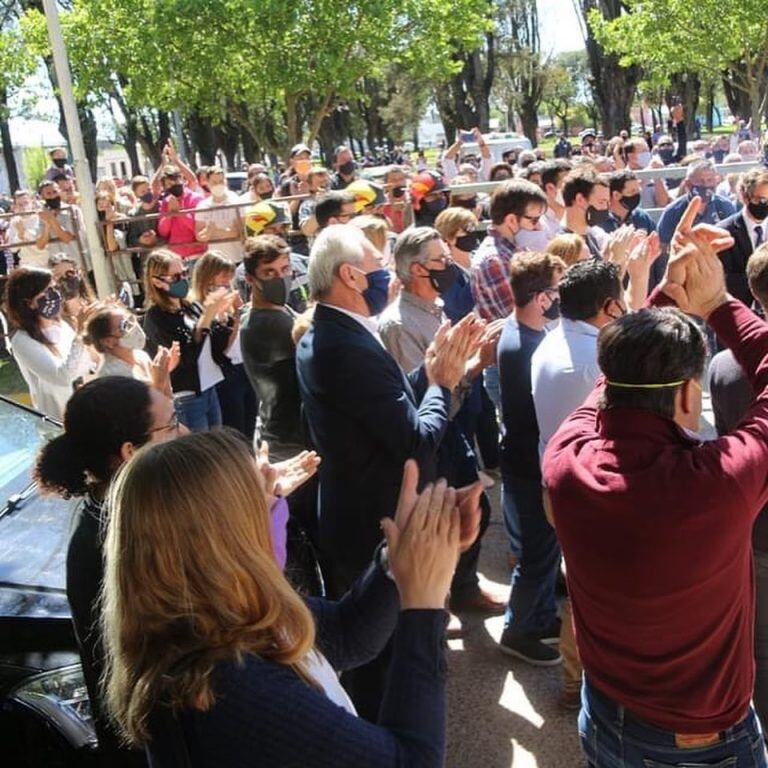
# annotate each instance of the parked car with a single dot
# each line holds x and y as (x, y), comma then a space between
(237, 181)
(45, 713)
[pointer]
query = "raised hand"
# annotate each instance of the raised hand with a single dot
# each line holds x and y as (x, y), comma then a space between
(292, 473)
(160, 371)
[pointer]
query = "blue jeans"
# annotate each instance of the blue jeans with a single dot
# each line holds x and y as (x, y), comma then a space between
(532, 605)
(492, 386)
(611, 737)
(199, 413)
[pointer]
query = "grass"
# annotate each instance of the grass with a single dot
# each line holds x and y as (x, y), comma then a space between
(12, 383)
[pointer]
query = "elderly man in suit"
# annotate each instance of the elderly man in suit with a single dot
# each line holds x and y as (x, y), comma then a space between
(363, 416)
(748, 228)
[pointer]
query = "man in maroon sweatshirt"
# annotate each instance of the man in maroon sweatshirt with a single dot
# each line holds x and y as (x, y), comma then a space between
(655, 525)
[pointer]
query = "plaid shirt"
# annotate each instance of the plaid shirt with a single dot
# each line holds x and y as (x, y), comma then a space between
(491, 286)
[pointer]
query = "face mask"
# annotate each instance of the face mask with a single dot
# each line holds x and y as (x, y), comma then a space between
(348, 168)
(531, 240)
(54, 203)
(435, 206)
(60, 162)
(219, 190)
(179, 289)
(303, 167)
(398, 191)
(134, 338)
(470, 203)
(102, 215)
(69, 285)
(595, 217)
(49, 305)
(666, 154)
(705, 193)
(552, 312)
(758, 211)
(643, 158)
(147, 197)
(442, 279)
(276, 290)
(468, 243)
(204, 186)
(630, 202)
(177, 190)
(376, 295)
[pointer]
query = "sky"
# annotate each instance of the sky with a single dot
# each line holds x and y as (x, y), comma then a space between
(559, 25)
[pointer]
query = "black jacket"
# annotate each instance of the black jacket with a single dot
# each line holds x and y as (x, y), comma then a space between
(735, 259)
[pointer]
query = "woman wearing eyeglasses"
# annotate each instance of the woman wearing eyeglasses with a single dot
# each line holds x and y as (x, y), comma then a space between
(105, 422)
(170, 318)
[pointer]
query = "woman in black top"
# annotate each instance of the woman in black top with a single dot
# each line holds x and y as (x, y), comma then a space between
(214, 272)
(104, 422)
(170, 317)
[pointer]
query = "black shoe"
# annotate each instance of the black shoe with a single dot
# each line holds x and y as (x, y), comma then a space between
(529, 649)
(551, 635)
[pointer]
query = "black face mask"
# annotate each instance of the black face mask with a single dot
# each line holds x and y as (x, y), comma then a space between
(435, 206)
(630, 202)
(469, 202)
(666, 154)
(468, 243)
(147, 198)
(69, 285)
(60, 162)
(102, 215)
(177, 190)
(596, 217)
(552, 312)
(398, 191)
(442, 279)
(276, 290)
(348, 168)
(265, 195)
(705, 193)
(54, 203)
(758, 211)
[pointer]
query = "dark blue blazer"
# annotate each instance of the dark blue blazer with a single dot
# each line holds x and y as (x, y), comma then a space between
(735, 259)
(364, 421)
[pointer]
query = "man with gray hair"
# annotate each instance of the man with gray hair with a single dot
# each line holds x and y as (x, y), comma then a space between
(363, 416)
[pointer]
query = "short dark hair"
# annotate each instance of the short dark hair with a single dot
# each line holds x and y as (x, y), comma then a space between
(619, 179)
(330, 205)
(581, 181)
(531, 273)
(553, 171)
(44, 184)
(262, 249)
(536, 167)
(757, 274)
(650, 346)
(586, 286)
(514, 196)
(498, 167)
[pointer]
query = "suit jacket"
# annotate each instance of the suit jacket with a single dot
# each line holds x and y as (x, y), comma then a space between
(364, 421)
(735, 259)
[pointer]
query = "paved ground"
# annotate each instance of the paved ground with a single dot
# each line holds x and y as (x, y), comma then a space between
(502, 712)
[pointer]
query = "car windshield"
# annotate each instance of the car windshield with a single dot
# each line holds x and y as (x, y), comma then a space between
(22, 432)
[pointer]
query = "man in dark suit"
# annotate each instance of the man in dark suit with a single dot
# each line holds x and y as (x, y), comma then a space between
(748, 228)
(364, 419)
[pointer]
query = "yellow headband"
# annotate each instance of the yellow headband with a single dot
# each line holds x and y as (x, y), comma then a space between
(646, 386)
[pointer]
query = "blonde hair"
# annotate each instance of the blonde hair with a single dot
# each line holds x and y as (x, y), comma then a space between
(451, 220)
(191, 579)
(374, 228)
(208, 266)
(569, 247)
(158, 264)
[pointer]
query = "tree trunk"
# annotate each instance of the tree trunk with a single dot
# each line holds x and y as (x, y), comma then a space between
(529, 119)
(227, 137)
(739, 101)
(131, 132)
(292, 122)
(687, 87)
(251, 153)
(613, 86)
(202, 136)
(710, 109)
(5, 137)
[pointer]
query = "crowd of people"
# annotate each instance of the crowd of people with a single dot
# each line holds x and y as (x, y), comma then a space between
(328, 360)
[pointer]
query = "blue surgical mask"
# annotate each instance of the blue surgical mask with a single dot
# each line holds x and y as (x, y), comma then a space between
(179, 289)
(376, 295)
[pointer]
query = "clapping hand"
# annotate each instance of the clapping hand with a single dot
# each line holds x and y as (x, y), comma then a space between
(453, 346)
(285, 477)
(160, 370)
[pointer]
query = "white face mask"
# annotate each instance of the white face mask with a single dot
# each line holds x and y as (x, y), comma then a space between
(643, 158)
(134, 338)
(531, 240)
(219, 190)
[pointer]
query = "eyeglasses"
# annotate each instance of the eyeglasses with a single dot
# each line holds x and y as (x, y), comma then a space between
(173, 278)
(552, 293)
(173, 425)
(446, 261)
(127, 323)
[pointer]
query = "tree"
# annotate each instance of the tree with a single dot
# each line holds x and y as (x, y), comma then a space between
(613, 79)
(709, 37)
(559, 94)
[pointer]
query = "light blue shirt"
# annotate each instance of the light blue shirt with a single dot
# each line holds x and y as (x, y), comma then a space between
(563, 373)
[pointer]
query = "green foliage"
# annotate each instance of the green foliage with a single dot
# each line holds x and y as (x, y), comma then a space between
(35, 164)
(17, 62)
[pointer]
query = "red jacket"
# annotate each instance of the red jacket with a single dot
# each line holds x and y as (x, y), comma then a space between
(656, 529)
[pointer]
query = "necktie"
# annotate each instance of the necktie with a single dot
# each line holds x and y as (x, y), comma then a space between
(758, 236)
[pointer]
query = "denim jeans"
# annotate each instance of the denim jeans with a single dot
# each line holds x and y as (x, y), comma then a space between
(238, 401)
(761, 635)
(511, 517)
(199, 413)
(532, 605)
(492, 386)
(611, 737)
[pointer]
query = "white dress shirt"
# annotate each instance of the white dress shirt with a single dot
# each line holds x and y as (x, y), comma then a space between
(563, 373)
(371, 324)
(751, 225)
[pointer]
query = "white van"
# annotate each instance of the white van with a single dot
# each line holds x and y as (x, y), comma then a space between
(498, 143)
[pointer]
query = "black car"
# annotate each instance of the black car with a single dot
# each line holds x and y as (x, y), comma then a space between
(45, 714)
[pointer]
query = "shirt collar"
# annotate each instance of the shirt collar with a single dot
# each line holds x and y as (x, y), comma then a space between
(371, 324)
(579, 326)
(500, 239)
(432, 307)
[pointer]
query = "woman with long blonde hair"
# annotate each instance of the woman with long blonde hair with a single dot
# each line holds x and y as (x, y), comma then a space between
(214, 660)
